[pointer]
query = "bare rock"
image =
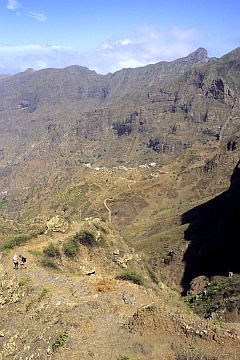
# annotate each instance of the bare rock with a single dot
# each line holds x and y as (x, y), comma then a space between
(198, 284)
(58, 224)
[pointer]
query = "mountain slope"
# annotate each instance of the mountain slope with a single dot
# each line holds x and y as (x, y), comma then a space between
(148, 154)
(63, 312)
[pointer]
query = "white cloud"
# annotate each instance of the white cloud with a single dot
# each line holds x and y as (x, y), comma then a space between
(124, 42)
(106, 46)
(14, 59)
(121, 42)
(31, 48)
(184, 35)
(130, 63)
(13, 4)
(146, 46)
(36, 15)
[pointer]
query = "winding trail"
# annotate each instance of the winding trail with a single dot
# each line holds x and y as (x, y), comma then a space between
(108, 209)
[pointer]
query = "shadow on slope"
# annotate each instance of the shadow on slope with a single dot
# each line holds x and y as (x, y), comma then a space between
(213, 233)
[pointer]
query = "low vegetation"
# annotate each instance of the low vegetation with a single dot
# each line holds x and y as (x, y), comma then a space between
(48, 262)
(43, 293)
(131, 275)
(221, 297)
(51, 251)
(60, 341)
(70, 248)
(153, 276)
(19, 239)
(85, 238)
(23, 282)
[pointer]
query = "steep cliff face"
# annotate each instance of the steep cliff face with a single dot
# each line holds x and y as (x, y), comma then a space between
(213, 234)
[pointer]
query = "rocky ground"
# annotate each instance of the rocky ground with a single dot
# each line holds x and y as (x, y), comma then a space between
(55, 314)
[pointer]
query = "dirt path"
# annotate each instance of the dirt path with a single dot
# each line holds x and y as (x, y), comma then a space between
(92, 308)
(103, 317)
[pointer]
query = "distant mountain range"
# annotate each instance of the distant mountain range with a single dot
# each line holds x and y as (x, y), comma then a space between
(152, 113)
(163, 108)
(182, 114)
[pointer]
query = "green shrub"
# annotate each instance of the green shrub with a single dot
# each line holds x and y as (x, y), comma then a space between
(15, 240)
(3, 204)
(48, 262)
(208, 301)
(85, 238)
(131, 275)
(123, 357)
(61, 339)
(52, 251)
(43, 293)
(28, 305)
(19, 239)
(35, 252)
(23, 282)
(153, 276)
(70, 248)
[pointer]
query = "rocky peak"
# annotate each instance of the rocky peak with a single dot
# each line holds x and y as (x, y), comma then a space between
(200, 55)
(29, 70)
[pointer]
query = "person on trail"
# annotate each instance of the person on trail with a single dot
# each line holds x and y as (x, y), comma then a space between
(23, 260)
(170, 254)
(15, 262)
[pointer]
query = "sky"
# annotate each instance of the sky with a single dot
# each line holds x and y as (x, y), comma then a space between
(108, 35)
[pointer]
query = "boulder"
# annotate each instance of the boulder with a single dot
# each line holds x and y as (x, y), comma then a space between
(57, 224)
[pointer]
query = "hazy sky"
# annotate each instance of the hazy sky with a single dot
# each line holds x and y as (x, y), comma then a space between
(107, 35)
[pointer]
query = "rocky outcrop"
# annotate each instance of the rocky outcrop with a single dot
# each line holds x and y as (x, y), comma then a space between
(57, 224)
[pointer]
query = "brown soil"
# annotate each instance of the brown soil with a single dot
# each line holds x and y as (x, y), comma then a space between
(104, 318)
